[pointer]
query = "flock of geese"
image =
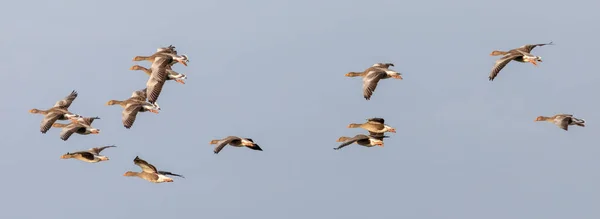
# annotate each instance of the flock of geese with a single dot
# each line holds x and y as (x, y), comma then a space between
(160, 71)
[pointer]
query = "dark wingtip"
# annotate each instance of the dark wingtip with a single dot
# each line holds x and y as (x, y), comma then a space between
(255, 147)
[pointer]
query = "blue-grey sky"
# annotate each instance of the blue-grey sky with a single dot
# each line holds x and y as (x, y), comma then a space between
(466, 148)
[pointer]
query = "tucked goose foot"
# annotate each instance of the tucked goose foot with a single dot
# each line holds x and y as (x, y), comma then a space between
(180, 81)
(397, 77)
(154, 111)
(533, 62)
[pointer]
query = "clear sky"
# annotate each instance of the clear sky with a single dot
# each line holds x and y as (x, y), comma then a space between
(466, 148)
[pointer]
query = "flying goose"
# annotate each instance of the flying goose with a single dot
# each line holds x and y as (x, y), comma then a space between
(58, 112)
(136, 103)
(91, 156)
(183, 59)
(236, 142)
(521, 54)
(150, 173)
(82, 126)
(158, 76)
(372, 75)
(364, 140)
(563, 121)
(172, 75)
(376, 126)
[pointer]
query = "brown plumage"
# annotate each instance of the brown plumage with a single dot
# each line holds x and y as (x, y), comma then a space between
(563, 121)
(150, 173)
(372, 75)
(171, 75)
(91, 156)
(136, 103)
(376, 126)
(360, 139)
(58, 112)
(236, 142)
(521, 54)
(82, 126)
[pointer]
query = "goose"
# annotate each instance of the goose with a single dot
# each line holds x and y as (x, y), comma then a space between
(158, 76)
(360, 139)
(58, 112)
(172, 75)
(375, 126)
(183, 59)
(563, 121)
(372, 75)
(521, 54)
(82, 126)
(91, 156)
(150, 173)
(136, 103)
(236, 142)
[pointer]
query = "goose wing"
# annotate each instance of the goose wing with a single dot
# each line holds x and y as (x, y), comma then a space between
(66, 102)
(224, 142)
(501, 63)
(48, 120)
(157, 77)
(349, 141)
(130, 113)
(139, 95)
(146, 167)
(169, 173)
(69, 130)
(370, 82)
(85, 154)
(97, 150)
(377, 120)
(564, 123)
(528, 47)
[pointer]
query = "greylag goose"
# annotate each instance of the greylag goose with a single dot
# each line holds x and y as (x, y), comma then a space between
(158, 76)
(236, 142)
(364, 140)
(521, 54)
(172, 75)
(563, 121)
(82, 126)
(372, 75)
(136, 103)
(375, 126)
(150, 173)
(58, 112)
(183, 59)
(91, 156)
